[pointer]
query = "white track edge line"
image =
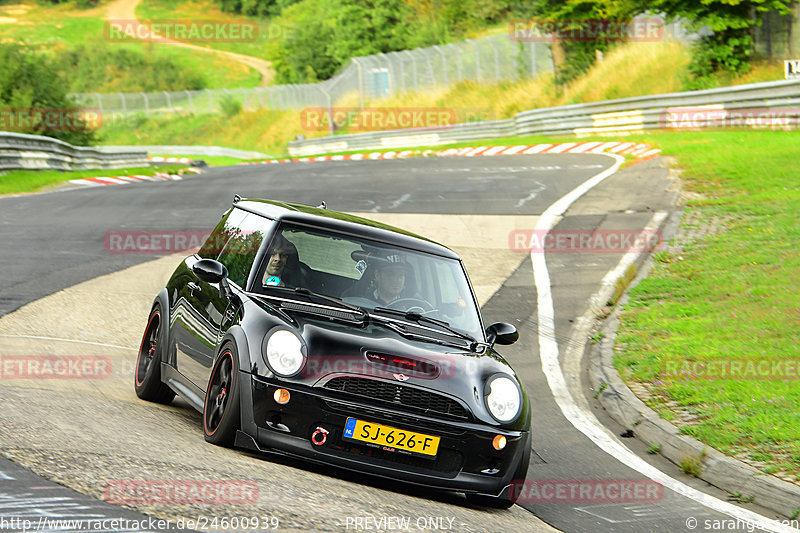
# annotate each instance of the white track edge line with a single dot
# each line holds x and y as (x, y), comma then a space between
(36, 337)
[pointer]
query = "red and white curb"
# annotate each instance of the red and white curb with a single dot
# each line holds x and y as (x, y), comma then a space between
(641, 152)
(161, 159)
(137, 178)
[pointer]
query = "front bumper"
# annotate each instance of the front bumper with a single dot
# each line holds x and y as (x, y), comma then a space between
(466, 460)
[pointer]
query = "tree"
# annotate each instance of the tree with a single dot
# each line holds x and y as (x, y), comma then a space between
(730, 46)
(33, 98)
(574, 56)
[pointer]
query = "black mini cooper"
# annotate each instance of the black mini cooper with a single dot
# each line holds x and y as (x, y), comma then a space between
(341, 340)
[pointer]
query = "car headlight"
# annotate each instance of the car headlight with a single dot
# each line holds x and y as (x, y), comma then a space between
(503, 398)
(285, 353)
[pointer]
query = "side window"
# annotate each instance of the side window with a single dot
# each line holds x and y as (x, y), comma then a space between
(243, 243)
(219, 237)
(240, 250)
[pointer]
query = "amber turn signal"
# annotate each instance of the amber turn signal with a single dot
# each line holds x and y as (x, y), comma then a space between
(281, 396)
(499, 442)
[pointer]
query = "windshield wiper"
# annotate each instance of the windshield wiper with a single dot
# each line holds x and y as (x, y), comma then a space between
(329, 299)
(311, 295)
(413, 316)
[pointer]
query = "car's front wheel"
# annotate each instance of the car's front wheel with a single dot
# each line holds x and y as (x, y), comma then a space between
(147, 378)
(221, 410)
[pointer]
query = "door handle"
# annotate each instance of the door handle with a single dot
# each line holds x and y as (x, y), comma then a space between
(193, 287)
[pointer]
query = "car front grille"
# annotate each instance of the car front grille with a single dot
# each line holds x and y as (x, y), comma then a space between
(411, 397)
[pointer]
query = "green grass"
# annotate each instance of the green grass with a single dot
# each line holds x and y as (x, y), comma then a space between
(729, 296)
(262, 131)
(188, 10)
(25, 181)
(66, 25)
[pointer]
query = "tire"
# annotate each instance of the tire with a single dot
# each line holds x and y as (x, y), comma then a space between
(147, 374)
(221, 406)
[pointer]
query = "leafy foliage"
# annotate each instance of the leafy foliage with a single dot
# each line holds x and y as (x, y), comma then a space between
(101, 67)
(29, 81)
(316, 37)
(729, 47)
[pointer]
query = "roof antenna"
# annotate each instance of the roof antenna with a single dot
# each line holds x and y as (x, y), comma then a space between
(237, 198)
(323, 205)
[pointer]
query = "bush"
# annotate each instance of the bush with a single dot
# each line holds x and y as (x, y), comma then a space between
(230, 106)
(29, 82)
(101, 67)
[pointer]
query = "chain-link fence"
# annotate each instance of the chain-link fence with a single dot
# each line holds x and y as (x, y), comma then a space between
(488, 60)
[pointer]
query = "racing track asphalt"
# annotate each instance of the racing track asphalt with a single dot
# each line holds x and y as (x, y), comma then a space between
(55, 240)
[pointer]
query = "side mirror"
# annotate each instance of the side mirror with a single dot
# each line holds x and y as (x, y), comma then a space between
(210, 271)
(502, 333)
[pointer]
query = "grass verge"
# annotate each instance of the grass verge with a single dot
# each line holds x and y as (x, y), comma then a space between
(728, 294)
(66, 25)
(24, 181)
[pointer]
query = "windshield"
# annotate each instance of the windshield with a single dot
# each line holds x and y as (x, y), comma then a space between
(370, 275)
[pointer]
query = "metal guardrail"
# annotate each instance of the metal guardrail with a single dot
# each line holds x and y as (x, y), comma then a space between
(769, 104)
(22, 151)
(206, 151)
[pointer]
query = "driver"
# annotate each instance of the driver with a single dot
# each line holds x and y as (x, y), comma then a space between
(282, 250)
(390, 279)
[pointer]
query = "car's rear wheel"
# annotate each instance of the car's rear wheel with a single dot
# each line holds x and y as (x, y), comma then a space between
(147, 378)
(221, 409)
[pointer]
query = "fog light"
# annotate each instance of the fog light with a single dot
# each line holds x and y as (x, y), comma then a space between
(499, 442)
(281, 396)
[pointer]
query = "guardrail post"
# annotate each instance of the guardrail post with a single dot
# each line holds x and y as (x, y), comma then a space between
(534, 66)
(191, 102)
(210, 101)
(169, 102)
(146, 105)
